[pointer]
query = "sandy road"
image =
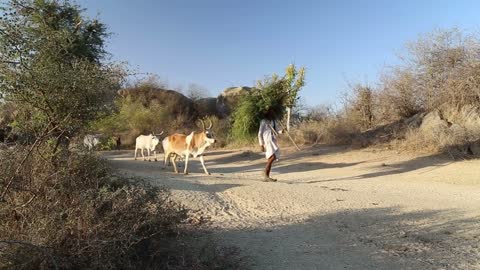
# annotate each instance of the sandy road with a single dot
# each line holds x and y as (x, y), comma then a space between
(334, 208)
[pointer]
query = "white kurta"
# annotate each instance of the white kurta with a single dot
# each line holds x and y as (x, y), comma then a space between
(267, 138)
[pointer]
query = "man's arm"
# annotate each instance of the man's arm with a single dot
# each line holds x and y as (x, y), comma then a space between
(260, 135)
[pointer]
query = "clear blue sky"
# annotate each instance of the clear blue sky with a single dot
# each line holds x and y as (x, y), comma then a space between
(222, 43)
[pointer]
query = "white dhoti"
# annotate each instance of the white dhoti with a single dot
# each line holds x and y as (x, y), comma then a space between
(267, 138)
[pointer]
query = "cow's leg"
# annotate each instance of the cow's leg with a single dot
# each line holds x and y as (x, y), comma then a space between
(187, 155)
(203, 164)
(136, 153)
(165, 158)
(148, 153)
(155, 153)
(172, 160)
(143, 156)
(179, 158)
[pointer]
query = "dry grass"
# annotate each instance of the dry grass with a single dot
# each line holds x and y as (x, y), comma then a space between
(328, 131)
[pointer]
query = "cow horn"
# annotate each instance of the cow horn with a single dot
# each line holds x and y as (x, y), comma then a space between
(211, 124)
(159, 133)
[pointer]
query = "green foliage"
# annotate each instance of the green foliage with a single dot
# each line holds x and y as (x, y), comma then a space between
(51, 66)
(274, 94)
(108, 143)
(133, 115)
(246, 119)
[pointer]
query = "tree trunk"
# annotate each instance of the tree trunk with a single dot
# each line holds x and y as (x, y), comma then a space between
(60, 152)
(289, 110)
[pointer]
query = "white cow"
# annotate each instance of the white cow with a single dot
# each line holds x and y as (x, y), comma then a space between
(148, 142)
(90, 141)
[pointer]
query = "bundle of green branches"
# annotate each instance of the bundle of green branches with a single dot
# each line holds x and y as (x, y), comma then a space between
(254, 106)
(275, 94)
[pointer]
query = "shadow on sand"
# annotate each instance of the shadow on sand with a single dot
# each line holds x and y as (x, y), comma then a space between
(375, 238)
(370, 238)
(431, 162)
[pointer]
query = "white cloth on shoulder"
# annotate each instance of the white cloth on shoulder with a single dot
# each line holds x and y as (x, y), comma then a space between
(267, 138)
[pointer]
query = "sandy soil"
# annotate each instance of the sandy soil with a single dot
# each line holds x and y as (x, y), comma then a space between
(333, 208)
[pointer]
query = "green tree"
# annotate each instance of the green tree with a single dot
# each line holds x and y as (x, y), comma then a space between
(52, 65)
(294, 81)
(132, 115)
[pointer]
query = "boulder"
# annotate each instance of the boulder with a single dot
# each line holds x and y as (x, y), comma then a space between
(456, 129)
(230, 98)
(434, 124)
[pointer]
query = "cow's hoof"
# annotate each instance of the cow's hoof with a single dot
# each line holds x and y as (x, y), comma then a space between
(156, 160)
(209, 174)
(149, 160)
(185, 173)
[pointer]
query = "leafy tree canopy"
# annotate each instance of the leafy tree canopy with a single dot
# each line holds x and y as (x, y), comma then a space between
(52, 66)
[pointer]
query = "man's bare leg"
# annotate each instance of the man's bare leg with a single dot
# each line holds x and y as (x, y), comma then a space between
(268, 168)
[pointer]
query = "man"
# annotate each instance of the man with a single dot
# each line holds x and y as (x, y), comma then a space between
(267, 138)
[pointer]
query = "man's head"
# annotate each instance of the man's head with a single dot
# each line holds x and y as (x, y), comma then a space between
(270, 114)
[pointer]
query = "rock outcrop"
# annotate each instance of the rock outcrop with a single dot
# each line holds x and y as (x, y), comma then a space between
(230, 98)
(177, 103)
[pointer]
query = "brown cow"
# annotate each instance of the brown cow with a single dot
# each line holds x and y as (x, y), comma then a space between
(182, 145)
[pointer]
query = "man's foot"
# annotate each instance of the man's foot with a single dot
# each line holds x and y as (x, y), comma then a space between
(268, 179)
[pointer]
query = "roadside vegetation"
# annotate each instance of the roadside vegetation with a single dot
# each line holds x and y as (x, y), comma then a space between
(67, 209)
(429, 103)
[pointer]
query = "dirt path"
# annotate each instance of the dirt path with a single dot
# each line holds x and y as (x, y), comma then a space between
(333, 208)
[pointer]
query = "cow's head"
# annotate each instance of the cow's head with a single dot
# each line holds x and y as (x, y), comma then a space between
(155, 139)
(209, 138)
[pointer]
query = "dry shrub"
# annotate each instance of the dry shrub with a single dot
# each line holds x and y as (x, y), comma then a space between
(440, 68)
(308, 132)
(440, 73)
(335, 130)
(398, 97)
(359, 106)
(77, 214)
(322, 124)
